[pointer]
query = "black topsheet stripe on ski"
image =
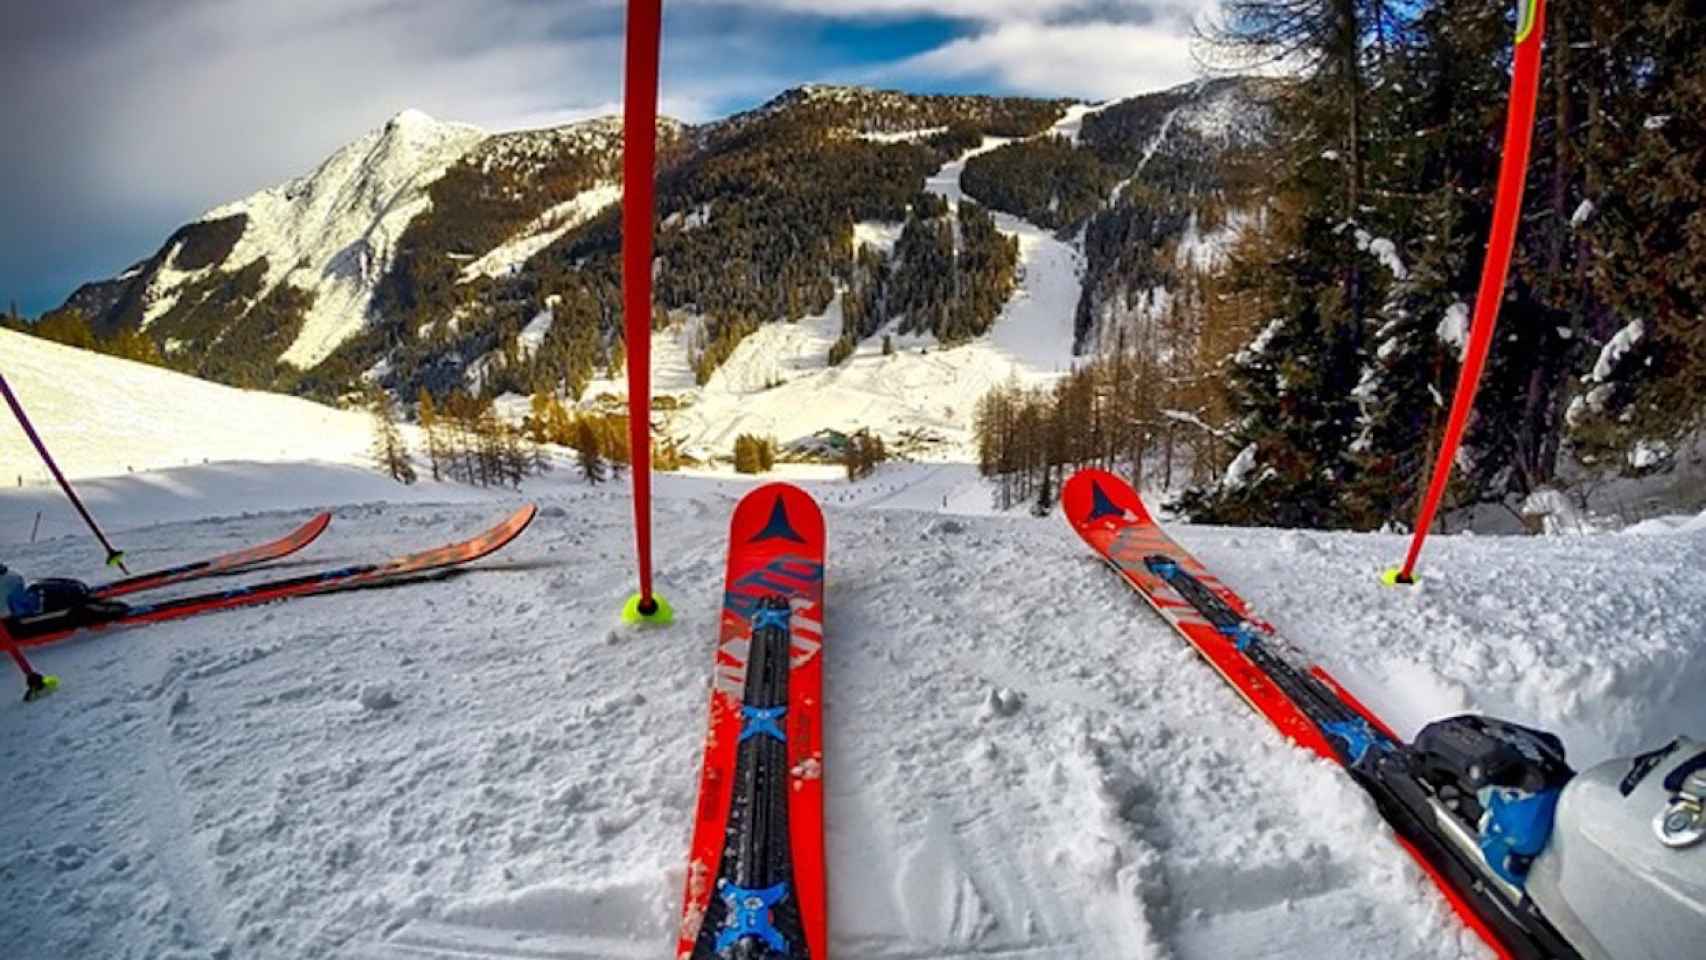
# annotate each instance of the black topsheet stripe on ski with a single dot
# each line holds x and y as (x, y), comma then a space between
(1382, 766)
(757, 856)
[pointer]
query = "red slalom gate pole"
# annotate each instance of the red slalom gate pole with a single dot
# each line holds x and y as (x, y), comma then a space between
(115, 556)
(1507, 209)
(639, 164)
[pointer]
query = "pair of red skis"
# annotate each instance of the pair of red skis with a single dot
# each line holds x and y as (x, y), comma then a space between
(106, 610)
(755, 877)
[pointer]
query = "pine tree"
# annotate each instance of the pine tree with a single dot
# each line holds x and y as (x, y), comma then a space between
(588, 448)
(1045, 498)
(514, 456)
(390, 452)
(429, 421)
(747, 456)
(559, 426)
(864, 451)
(489, 444)
(668, 455)
(1292, 389)
(538, 423)
(840, 350)
(1637, 176)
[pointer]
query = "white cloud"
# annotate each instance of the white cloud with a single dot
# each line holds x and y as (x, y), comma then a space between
(1092, 60)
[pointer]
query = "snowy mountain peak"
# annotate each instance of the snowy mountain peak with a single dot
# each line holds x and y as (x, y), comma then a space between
(330, 234)
(410, 117)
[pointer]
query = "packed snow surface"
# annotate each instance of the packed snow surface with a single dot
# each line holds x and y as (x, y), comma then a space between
(1021, 760)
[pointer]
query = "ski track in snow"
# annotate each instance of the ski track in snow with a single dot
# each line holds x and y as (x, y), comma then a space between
(1022, 761)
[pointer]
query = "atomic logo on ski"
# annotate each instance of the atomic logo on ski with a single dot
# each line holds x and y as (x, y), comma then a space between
(778, 528)
(1101, 506)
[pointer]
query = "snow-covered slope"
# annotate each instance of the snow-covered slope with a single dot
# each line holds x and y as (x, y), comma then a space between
(103, 416)
(545, 230)
(1021, 761)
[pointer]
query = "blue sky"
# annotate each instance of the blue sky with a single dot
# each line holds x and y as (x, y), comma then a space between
(126, 119)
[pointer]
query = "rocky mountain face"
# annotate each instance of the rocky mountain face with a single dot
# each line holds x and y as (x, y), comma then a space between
(435, 255)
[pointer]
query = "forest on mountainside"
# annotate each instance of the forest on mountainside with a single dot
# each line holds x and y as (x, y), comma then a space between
(949, 275)
(755, 225)
(1328, 327)
(756, 219)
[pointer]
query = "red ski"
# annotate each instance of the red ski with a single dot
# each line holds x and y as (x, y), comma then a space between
(1306, 704)
(755, 873)
(229, 563)
(97, 614)
(1112, 519)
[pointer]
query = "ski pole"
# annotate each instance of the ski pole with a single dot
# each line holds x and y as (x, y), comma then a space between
(1507, 211)
(639, 163)
(115, 556)
(35, 685)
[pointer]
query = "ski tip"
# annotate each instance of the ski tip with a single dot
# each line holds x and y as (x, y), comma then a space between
(1092, 495)
(660, 615)
(777, 517)
(1398, 578)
